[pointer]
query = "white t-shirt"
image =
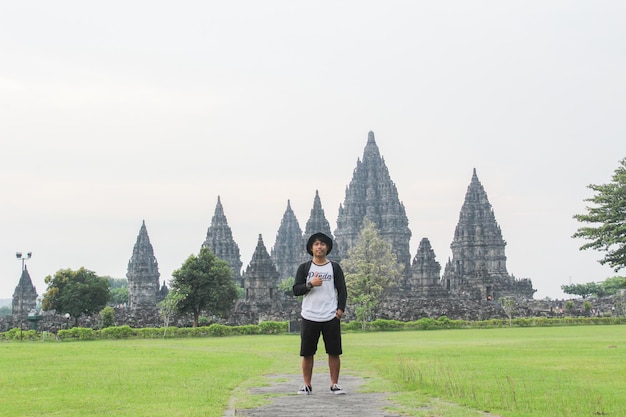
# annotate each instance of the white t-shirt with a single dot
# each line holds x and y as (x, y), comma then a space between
(320, 303)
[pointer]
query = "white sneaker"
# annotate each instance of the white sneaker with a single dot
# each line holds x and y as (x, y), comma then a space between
(305, 390)
(337, 390)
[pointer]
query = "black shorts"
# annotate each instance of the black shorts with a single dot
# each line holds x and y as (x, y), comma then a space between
(310, 335)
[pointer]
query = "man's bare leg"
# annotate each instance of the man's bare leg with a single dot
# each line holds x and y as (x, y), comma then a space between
(307, 369)
(334, 364)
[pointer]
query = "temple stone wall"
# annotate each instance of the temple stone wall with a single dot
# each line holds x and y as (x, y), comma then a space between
(402, 309)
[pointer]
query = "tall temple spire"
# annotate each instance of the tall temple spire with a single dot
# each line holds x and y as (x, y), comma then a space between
(286, 253)
(478, 265)
(371, 149)
(261, 277)
(425, 272)
(373, 195)
(317, 223)
(24, 296)
(219, 239)
(477, 224)
(143, 274)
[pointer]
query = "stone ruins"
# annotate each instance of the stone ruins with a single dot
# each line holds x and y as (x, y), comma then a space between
(143, 276)
(24, 296)
(219, 238)
(373, 195)
(469, 287)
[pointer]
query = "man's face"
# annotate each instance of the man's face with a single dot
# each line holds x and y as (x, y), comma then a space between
(319, 248)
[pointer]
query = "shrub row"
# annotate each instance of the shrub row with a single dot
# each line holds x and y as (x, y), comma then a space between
(444, 322)
(214, 330)
(426, 323)
(273, 327)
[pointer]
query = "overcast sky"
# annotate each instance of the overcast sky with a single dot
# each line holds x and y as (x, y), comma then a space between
(116, 112)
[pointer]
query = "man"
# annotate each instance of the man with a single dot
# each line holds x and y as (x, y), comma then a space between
(323, 286)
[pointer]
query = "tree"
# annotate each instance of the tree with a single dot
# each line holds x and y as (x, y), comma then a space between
(116, 282)
(119, 296)
(207, 285)
(119, 290)
(286, 286)
(508, 304)
(609, 213)
(168, 307)
(612, 285)
(76, 292)
(583, 290)
(600, 289)
(371, 270)
(107, 315)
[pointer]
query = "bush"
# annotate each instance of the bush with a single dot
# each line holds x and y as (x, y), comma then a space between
(522, 322)
(204, 321)
(273, 327)
(182, 331)
(426, 323)
(107, 315)
(458, 324)
(77, 333)
(119, 332)
(246, 329)
(149, 332)
(19, 334)
(201, 331)
(172, 331)
(352, 325)
(385, 325)
(219, 330)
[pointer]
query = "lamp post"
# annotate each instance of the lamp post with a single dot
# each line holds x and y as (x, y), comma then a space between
(23, 258)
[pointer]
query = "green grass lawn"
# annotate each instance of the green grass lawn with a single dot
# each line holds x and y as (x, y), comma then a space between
(562, 371)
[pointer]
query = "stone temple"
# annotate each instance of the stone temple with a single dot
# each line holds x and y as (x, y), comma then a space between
(219, 238)
(317, 223)
(477, 269)
(474, 277)
(373, 195)
(287, 252)
(143, 275)
(24, 296)
(262, 301)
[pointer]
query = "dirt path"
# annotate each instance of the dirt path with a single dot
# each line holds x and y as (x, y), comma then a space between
(285, 402)
(281, 392)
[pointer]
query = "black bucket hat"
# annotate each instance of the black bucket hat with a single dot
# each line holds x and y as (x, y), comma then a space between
(322, 238)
